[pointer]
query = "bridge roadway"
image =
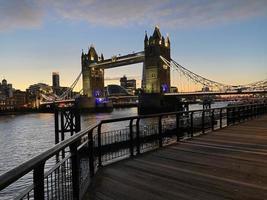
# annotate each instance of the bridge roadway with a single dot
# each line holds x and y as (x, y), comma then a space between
(118, 61)
(226, 164)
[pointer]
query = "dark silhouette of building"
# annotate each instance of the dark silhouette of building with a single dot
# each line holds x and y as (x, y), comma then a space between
(174, 89)
(129, 85)
(123, 81)
(20, 99)
(6, 89)
(55, 80)
(116, 90)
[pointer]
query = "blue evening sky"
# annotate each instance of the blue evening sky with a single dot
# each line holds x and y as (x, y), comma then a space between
(221, 40)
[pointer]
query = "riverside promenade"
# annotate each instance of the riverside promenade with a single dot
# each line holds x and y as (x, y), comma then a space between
(229, 163)
(217, 153)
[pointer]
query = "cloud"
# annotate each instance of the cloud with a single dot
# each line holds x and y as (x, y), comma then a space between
(20, 14)
(171, 13)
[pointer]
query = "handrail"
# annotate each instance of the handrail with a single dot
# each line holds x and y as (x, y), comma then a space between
(14, 174)
(19, 171)
(168, 113)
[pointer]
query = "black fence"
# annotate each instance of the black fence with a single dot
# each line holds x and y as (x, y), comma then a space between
(89, 150)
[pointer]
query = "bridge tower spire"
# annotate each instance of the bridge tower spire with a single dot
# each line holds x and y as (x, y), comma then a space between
(156, 75)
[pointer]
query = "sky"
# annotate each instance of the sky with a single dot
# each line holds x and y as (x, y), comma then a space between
(223, 40)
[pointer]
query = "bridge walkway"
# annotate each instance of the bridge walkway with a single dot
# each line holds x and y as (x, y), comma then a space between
(226, 164)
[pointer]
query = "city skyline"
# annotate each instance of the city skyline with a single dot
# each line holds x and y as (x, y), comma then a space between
(223, 41)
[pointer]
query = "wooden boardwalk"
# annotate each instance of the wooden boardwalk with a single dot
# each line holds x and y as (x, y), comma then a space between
(230, 163)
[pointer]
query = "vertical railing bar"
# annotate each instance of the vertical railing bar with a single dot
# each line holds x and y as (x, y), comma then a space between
(203, 121)
(75, 166)
(212, 120)
(131, 139)
(99, 145)
(192, 124)
(160, 131)
(68, 179)
(47, 186)
(56, 127)
(177, 127)
(62, 131)
(52, 194)
(138, 136)
(220, 117)
(91, 153)
(38, 181)
(62, 179)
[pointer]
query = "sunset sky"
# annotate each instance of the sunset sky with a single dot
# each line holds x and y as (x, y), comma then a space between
(224, 40)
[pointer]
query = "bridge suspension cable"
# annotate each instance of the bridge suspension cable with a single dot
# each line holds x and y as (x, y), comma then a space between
(70, 89)
(195, 77)
(259, 85)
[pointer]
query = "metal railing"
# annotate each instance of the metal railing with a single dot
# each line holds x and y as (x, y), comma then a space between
(90, 149)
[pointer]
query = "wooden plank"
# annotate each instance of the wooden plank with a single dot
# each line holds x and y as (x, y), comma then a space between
(226, 164)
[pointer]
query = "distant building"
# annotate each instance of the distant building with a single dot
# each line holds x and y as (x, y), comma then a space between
(10, 98)
(55, 80)
(20, 99)
(123, 82)
(205, 89)
(174, 89)
(116, 90)
(40, 88)
(6, 89)
(129, 85)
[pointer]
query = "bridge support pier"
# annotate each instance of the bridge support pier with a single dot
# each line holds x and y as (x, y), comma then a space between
(150, 103)
(93, 104)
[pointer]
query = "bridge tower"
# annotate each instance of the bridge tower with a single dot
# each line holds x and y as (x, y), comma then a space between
(156, 77)
(156, 74)
(93, 79)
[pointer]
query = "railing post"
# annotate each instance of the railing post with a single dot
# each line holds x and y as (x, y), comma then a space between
(203, 121)
(62, 125)
(254, 110)
(91, 153)
(138, 136)
(212, 120)
(227, 116)
(38, 181)
(160, 130)
(75, 166)
(220, 117)
(56, 126)
(56, 131)
(77, 120)
(246, 113)
(99, 145)
(192, 124)
(244, 109)
(131, 139)
(239, 114)
(234, 115)
(178, 127)
(251, 112)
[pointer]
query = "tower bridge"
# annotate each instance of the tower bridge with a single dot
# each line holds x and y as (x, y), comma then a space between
(156, 74)
(156, 81)
(156, 78)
